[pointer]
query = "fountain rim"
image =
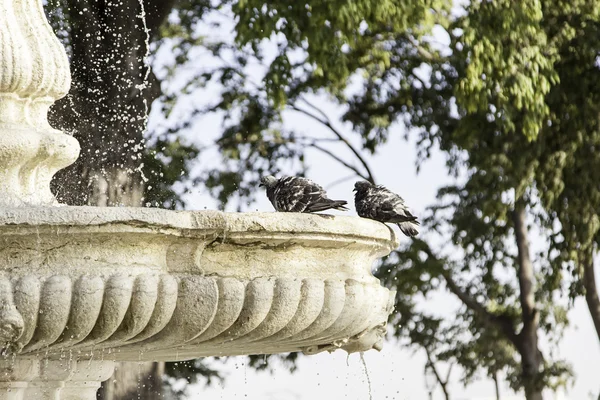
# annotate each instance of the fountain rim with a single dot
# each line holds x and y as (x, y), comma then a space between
(247, 225)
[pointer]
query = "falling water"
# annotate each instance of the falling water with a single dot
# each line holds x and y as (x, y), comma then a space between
(139, 374)
(364, 363)
(145, 83)
(245, 379)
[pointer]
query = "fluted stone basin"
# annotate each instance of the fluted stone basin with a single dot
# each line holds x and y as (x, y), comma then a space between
(150, 284)
(81, 287)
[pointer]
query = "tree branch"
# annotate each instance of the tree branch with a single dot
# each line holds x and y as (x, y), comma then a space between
(421, 50)
(316, 140)
(500, 322)
(338, 159)
(326, 122)
(449, 372)
(496, 385)
(431, 365)
(317, 109)
(419, 79)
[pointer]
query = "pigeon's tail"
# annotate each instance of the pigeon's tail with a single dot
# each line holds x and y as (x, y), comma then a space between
(340, 205)
(327, 204)
(409, 228)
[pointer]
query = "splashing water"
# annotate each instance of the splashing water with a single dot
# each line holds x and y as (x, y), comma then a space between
(364, 363)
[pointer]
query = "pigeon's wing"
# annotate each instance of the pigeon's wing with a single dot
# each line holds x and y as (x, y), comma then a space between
(403, 211)
(368, 203)
(293, 194)
(365, 207)
(311, 197)
(391, 208)
(315, 198)
(297, 194)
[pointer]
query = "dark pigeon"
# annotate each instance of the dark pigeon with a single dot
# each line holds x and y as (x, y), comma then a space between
(378, 203)
(296, 194)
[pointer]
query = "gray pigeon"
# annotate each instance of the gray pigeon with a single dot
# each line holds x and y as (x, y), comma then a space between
(378, 203)
(296, 194)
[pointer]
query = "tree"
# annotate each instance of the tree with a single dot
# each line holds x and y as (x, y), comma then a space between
(513, 61)
(503, 70)
(485, 229)
(569, 162)
(548, 99)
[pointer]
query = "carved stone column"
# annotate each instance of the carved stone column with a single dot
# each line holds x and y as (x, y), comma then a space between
(34, 72)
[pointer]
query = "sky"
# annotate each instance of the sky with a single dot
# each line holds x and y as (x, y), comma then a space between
(396, 372)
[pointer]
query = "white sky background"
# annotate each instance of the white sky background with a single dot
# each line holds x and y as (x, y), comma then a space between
(396, 372)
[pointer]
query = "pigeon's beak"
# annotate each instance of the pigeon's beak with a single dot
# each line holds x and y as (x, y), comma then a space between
(354, 190)
(260, 185)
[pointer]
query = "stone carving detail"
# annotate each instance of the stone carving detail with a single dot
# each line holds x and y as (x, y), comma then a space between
(35, 73)
(153, 316)
(11, 321)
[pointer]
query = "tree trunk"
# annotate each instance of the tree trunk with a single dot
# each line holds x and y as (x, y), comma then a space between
(497, 385)
(527, 344)
(106, 110)
(591, 291)
(526, 341)
(134, 381)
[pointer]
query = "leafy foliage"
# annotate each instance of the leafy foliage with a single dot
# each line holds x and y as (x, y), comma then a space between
(277, 60)
(192, 371)
(165, 163)
(491, 103)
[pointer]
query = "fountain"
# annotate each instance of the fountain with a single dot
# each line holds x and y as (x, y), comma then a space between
(83, 287)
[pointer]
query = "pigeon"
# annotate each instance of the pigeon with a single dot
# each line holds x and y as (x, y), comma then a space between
(378, 203)
(296, 194)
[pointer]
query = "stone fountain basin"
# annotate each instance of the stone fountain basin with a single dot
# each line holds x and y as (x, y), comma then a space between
(135, 284)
